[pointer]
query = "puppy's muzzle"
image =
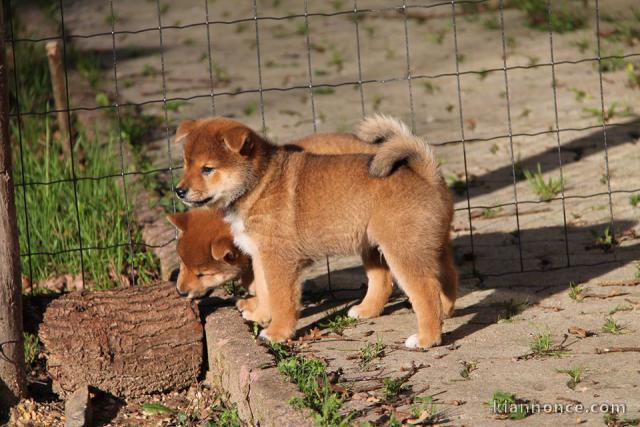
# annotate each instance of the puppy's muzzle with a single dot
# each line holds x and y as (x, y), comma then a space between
(181, 192)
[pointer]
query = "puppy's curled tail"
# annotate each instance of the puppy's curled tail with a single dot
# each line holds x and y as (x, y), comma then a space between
(397, 144)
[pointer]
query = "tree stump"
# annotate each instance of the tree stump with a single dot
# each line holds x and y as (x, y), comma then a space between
(128, 342)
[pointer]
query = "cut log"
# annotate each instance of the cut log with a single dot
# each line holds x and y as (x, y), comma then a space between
(128, 342)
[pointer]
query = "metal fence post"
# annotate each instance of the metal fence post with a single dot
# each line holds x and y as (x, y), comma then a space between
(12, 371)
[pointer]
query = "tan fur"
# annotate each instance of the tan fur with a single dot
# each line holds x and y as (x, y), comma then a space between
(201, 229)
(286, 207)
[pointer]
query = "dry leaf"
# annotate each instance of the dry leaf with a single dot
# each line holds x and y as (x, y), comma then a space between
(580, 332)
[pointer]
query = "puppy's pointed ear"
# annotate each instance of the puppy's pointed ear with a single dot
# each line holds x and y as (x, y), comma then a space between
(239, 140)
(184, 128)
(179, 220)
(224, 250)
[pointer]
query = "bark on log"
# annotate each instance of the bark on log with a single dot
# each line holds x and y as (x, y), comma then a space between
(128, 342)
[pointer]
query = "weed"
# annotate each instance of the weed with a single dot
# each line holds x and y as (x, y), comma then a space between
(507, 405)
(491, 23)
(339, 323)
(377, 101)
(610, 113)
(575, 291)
(604, 239)
(154, 408)
(482, 74)
(610, 326)
(149, 71)
(31, 347)
(102, 99)
(337, 5)
(612, 61)
(250, 109)
(110, 19)
(542, 346)
(582, 45)
(634, 200)
(512, 308)
(220, 73)
(490, 212)
(494, 148)
(369, 352)
(323, 90)
(467, 368)
(430, 87)
(175, 105)
(424, 410)
(392, 387)
(546, 190)
(224, 417)
(562, 19)
(310, 377)
(579, 94)
(88, 66)
(575, 376)
(511, 42)
(613, 420)
(439, 35)
(302, 29)
(457, 185)
(164, 8)
(337, 60)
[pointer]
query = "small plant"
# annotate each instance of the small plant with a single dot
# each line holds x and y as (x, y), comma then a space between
(456, 185)
(612, 112)
(31, 347)
(467, 368)
(564, 18)
(582, 45)
(575, 376)
(425, 411)
(507, 405)
(612, 419)
(439, 35)
(176, 105)
(430, 87)
(323, 90)
(604, 239)
(302, 29)
(490, 212)
(337, 59)
(250, 109)
(512, 308)
(575, 291)
(612, 61)
(154, 408)
(339, 323)
(633, 75)
(542, 346)
(392, 387)
(491, 23)
(635, 200)
(377, 101)
(611, 326)
(149, 71)
(579, 94)
(369, 352)
(618, 308)
(546, 190)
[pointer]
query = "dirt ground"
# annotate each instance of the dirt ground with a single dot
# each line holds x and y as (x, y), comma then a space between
(484, 350)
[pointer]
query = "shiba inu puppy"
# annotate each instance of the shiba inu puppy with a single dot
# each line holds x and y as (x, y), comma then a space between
(208, 256)
(286, 207)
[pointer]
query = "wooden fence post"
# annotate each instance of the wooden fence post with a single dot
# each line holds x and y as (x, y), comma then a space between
(12, 370)
(58, 84)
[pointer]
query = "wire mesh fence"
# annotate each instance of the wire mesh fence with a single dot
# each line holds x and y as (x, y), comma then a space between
(486, 82)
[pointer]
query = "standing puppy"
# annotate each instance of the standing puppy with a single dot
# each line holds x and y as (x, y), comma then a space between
(286, 207)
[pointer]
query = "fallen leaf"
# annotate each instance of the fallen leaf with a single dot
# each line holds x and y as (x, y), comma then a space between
(580, 332)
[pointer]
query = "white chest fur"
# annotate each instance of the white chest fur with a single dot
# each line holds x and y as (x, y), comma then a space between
(240, 236)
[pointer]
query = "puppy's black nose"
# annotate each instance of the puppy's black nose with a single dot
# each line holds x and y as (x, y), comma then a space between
(181, 293)
(181, 192)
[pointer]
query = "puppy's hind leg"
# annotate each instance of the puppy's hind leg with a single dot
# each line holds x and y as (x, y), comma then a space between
(380, 285)
(422, 286)
(449, 280)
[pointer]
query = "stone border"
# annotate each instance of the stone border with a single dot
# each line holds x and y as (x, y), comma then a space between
(236, 364)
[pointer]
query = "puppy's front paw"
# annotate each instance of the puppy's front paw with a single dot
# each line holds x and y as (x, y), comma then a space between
(361, 311)
(274, 335)
(259, 316)
(416, 342)
(247, 304)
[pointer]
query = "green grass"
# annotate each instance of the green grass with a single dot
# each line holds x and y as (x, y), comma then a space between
(392, 387)
(54, 225)
(604, 239)
(612, 112)
(542, 345)
(610, 326)
(511, 308)
(575, 376)
(612, 60)
(457, 185)
(323, 90)
(339, 323)
(564, 18)
(426, 411)
(176, 105)
(546, 190)
(31, 348)
(250, 109)
(490, 212)
(311, 379)
(369, 352)
(634, 200)
(505, 404)
(575, 291)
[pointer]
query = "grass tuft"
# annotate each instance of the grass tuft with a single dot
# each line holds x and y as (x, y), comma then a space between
(546, 190)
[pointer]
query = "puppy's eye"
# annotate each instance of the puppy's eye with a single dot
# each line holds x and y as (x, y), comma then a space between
(206, 170)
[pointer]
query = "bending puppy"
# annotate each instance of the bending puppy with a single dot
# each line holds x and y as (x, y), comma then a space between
(286, 207)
